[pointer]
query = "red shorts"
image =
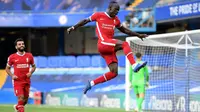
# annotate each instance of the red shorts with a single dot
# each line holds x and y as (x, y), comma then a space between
(22, 89)
(106, 49)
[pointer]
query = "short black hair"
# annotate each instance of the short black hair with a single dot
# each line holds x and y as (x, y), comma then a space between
(112, 3)
(17, 40)
(138, 55)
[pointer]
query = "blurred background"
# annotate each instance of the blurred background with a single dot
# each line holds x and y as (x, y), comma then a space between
(66, 62)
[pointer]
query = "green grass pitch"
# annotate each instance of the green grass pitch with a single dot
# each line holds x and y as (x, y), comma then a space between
(34, 108)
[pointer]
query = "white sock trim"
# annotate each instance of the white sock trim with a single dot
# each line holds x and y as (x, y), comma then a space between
(92, 83)
(104, 77)
(129, 54)
(20, 106)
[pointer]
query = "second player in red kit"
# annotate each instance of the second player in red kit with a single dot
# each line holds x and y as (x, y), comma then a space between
(106, 22)
(21, 62)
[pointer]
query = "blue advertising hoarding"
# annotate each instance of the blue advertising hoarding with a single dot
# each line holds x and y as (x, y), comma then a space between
(179, 11)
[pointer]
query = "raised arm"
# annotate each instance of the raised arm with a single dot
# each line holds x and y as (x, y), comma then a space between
(131, 33)
(79, 24)
(83, 22)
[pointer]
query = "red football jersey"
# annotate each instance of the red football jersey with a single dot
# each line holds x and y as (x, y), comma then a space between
(105, 25)
(21, 64)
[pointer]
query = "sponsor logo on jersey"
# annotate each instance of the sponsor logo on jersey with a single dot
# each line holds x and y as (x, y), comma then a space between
(108, 26)
(22, 66)
(101, 19)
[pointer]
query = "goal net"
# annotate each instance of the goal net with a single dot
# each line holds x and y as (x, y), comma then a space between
(174, 65)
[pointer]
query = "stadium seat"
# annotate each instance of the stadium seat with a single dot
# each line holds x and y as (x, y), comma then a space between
(41, 62)
(121, 61)
(97, 61)
(147, 3)
(53, 61)
(67, 61)
(83, 61)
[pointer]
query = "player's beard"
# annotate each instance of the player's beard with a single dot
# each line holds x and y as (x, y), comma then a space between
(21, 49)
(113, 14)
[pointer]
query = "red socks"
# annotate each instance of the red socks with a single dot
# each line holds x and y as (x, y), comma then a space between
(20, 106)
(128, 52)
(106, 77)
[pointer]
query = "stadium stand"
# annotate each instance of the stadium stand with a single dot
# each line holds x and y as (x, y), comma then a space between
(67, 61)
(54, 5)
(147, 4)
(41, 62)
(95, 61)
(78, 5)
(139, 4)
(83, 61)
(161, 3)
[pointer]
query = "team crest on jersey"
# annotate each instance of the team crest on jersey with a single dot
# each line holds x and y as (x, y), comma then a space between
(26, 59)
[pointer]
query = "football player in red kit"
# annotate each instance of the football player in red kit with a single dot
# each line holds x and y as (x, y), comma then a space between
(21, 62)
(106, 22)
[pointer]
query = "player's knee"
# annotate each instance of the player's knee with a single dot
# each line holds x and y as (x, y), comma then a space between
(118, 47)
(113, 75)
(21, 98)
(115, 71)
(114, 68)
(25, 102)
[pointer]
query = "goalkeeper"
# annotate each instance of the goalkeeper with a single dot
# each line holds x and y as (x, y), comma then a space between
(139, 82)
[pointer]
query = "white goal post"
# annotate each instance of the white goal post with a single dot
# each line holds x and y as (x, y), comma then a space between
(173, 59)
